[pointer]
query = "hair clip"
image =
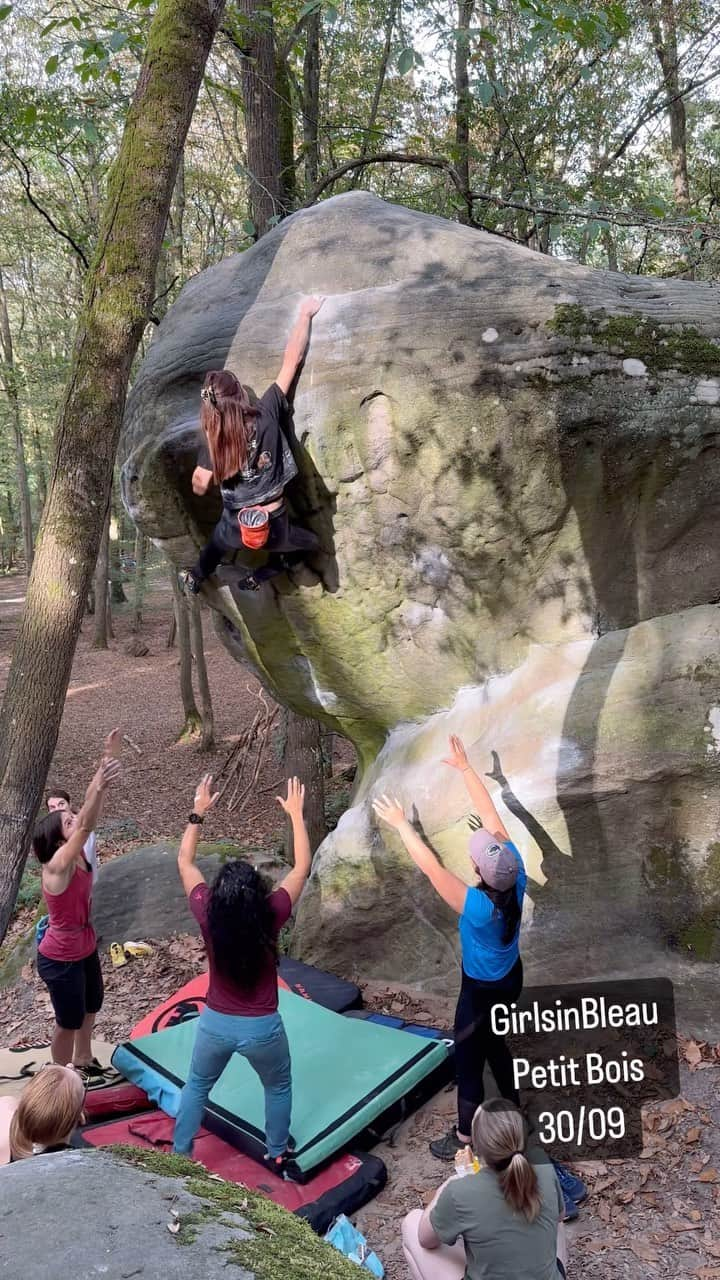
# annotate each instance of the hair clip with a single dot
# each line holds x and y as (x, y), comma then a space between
(208, 393)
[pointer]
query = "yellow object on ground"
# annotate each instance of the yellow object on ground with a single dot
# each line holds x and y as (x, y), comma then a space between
(117, 955)
(138, 949)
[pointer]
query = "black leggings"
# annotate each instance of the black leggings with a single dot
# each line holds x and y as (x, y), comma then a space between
(283, 537)
(476, 1043)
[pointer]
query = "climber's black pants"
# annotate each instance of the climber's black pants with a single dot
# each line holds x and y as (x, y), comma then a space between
(283, 537)
(476, 1043)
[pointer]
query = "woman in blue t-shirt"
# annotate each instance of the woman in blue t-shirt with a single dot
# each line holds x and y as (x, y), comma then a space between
(490, 913)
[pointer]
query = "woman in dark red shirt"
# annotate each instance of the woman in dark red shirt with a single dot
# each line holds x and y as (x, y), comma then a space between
(240, 920)
(68, 961)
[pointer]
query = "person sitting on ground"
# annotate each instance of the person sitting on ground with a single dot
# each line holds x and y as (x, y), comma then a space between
(502, 1223)
(240, 919)
(57, 800)
(45, 1116)
(245, 452)
(490, 912)
(68, 960)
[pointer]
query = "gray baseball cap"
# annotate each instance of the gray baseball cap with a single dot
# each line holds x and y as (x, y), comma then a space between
(494, 859)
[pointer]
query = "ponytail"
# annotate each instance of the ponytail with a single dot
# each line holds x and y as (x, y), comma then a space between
(499, 1138)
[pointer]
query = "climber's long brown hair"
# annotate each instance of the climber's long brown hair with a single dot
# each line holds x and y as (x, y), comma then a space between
(50, 1107)
(227, 418)
(499, 1138)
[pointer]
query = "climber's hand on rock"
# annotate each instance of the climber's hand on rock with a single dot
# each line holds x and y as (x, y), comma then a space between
(310, 306)
(293, 802)
(391, 811)
(458, 755)
(204, 796)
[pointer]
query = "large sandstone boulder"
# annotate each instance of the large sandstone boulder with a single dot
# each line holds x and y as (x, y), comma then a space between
(512, 464)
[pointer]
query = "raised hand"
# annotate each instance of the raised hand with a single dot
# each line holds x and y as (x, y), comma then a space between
(204, 796)
(458, 755)
(293, 802)
(311, 306)
(109, 771)
(390, 810)
(113, 746)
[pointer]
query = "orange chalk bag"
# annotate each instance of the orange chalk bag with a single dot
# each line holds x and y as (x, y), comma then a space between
(254, 527)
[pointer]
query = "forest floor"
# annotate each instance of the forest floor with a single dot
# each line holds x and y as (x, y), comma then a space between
(655, 1216)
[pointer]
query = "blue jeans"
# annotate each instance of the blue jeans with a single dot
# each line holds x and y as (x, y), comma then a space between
(264, 1043)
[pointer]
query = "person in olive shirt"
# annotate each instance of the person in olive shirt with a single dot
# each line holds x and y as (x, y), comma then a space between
(503, 1223)
(245, 451)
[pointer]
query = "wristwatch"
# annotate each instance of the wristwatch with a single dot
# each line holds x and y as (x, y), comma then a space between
(196, 818)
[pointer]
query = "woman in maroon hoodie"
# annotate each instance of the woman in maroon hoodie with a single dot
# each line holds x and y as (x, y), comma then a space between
(68, 960)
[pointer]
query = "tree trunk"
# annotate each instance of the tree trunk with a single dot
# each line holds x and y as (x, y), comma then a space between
(368, 137)
(118, 295)
(140, 580)
(286, 134)
(663, 27)
(102, 595)
(463, 103)
(192, 722)
(303, 759)
(12, 530)
(207, 739)
(117, 591)
(311, 100)
(265, 195)
(10, 386)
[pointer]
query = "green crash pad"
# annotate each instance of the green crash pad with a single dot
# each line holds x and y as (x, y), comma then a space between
(346, 1073)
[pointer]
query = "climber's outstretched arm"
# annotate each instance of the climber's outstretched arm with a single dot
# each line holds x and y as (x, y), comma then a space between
(451, 888)
(297, 343)
(479, 793)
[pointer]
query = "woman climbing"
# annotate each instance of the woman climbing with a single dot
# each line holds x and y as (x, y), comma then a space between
(246, 453)
(489, 929)
(240, 920)
(45, 1117)
(68, 960)
(504, 1221)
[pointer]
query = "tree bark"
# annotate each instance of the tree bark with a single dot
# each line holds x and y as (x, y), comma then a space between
(207, 738)
(10, 385)
(663, 27)
(118, 296)
(463, 104)
(192, 722)
(265, 195)
(311, 100)
(303, 759)
(286, 134)
(117, 590)
(102, 594)
(140, 580)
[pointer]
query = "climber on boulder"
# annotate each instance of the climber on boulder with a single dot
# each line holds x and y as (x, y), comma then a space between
(245, 452)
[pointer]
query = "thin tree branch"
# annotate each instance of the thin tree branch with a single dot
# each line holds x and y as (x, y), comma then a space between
(24, 177)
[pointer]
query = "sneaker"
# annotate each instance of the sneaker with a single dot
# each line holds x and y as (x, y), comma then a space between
(573, 1188)
(447, 1148)
(189, 584)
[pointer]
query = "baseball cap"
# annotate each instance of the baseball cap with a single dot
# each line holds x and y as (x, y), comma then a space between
(494, 859)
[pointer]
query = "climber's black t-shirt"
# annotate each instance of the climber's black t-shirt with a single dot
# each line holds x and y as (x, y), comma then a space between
(270, 463)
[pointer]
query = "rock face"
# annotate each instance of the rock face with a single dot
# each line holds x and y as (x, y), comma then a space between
(512, 463)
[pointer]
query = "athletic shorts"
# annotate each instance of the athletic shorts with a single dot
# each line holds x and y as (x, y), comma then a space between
(75, 986)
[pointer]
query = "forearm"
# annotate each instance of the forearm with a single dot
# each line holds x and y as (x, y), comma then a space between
(301, 847)
(187, 852)
(423, 857)
(483, 802)
(298, 340)
(92, 806)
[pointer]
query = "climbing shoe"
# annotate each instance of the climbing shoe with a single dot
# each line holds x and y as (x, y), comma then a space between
(573, 1188)
(447, 1148)
(189, 584)
(250, 583)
